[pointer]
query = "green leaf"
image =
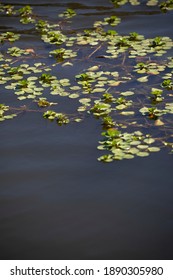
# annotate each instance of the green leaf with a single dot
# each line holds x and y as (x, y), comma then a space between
(127, 93)
(74, 95)
(142, 154)
(21, 97)
(154, 149)
(149, 140)
(143, 79)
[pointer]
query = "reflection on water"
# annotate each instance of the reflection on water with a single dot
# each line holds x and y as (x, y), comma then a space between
(58, 202)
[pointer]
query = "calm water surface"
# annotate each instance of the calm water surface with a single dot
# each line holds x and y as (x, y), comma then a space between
(56, 200)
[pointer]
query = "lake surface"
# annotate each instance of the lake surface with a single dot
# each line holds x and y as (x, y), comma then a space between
(56, 200)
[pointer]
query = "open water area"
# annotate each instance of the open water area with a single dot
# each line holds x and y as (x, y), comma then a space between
(56, 200)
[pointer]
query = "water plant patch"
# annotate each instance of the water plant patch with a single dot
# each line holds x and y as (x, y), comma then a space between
(125, 83)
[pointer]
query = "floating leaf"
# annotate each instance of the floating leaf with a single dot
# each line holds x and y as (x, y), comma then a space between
(84, 100)
(74, 95)
(143, 79)
(142, 154)
(154, 149)
(67, 64)
(127, 113)
(142, 147)
(127, 93)
(149, 140)
(158, 122)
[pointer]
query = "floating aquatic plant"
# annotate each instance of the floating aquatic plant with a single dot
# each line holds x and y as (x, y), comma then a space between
(127, 86)
(8, 37)
(15, 51)
(3, 113)
(59, 117)
(26, 15)
(69, 13)
(164, 5)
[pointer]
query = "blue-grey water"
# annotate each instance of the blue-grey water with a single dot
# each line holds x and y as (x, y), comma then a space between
(56, 200)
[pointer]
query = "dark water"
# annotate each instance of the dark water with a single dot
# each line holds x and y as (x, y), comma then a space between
(56, 200)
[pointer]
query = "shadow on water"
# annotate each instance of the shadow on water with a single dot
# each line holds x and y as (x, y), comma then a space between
(58, 202)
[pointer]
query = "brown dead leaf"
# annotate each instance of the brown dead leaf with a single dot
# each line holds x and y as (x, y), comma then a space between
(158, 122)
(30, 50)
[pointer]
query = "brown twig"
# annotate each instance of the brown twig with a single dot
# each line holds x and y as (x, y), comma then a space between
(94, 51)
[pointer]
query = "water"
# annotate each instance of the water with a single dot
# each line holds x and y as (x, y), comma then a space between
(56, 200)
